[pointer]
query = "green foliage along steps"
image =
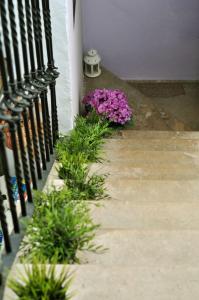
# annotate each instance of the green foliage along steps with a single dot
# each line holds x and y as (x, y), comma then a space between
(42, 283)
(86, 138)
(59, 228)
(61, 225)
(77, 150)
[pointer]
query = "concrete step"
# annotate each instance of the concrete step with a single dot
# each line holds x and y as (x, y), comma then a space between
(151, 157)
(155, 134)
(138, 215)
(150, 162)
(155, 172)
(139, 248)
(96, 282)
(152, 190)
(129, 283)
(184, 145)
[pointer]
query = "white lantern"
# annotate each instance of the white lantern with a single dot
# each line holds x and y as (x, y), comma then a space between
(92, 64)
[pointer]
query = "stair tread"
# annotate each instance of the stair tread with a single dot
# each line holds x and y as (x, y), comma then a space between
(152, 144)
(153, 190)
(148, 154)
(150, 171)
(146, 248)
(147, 215)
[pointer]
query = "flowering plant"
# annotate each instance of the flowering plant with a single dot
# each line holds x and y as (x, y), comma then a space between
(112, 104)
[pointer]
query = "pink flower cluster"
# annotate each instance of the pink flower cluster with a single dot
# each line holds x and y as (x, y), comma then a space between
(112, 104)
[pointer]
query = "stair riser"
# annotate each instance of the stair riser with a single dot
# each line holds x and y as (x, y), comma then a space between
(140, 157)
(151, 145)
(148, 172)
(141, 134)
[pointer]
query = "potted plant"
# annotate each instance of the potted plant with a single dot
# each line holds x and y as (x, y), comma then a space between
(110, 104)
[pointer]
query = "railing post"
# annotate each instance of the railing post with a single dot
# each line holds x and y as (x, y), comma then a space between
(51, 67)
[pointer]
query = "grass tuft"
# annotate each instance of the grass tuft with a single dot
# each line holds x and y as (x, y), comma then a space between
(41, 283)
(59, 228)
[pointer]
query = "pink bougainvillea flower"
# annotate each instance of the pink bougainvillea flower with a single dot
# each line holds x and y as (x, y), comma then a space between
(113, 104)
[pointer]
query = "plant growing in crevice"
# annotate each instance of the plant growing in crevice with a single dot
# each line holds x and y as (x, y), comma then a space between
(86, 138)
(59, 229)
(75, 172)
(42, 283)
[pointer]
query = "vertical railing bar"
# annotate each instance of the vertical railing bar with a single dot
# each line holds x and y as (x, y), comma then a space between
(47, 27)
(51, 67)
(8, 181)
(7, 43)
(4, 224)
(39, 86)
(18, 168)
(54, 113)
(25, 162)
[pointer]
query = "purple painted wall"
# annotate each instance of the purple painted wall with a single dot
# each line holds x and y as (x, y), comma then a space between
(145, 39)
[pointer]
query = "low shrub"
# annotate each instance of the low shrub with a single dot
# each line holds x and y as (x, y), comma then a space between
(75, 172)
(41, 283)
(59, 228)
(86, 138)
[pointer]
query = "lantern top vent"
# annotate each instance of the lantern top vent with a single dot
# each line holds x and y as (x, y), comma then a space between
(92, 58)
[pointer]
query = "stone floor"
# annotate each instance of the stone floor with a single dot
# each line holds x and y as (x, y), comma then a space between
(180, 100)
(156, 105)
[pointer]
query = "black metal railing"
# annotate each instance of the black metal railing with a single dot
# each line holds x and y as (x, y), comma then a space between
(29, 87)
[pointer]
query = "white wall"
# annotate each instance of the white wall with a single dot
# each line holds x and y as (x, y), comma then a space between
(68, 57)
(145, 39)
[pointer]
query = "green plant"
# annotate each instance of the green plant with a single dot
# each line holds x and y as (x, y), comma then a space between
(92, 118)
(75, 172)
(72, 168)
(51, 200)
(99, 126)
(59, 229)
(86, 138)
(41, 283)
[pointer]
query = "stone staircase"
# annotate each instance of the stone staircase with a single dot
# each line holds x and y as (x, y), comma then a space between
(150, 224)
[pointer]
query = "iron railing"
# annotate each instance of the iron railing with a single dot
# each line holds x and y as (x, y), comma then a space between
(24, 106)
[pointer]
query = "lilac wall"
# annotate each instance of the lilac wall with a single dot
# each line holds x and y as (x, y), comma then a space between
(145, 39)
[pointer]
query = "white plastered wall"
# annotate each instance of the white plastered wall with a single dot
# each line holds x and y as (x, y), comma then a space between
(67, 38)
